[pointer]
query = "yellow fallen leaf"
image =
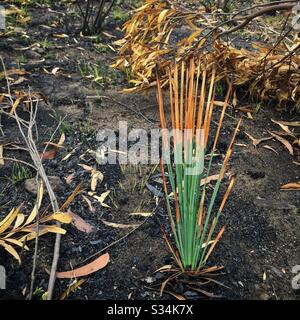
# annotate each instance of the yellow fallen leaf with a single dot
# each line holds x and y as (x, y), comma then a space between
(288, 123)
(91, 208)
(11, 250)
(97, 176)
(8, 220)
(42, 230)
(264, 276)
(16, 242)
(86, 167)
(55, 70)
(284, 127)
(16, 103)
(166, 267)
(141, 214)
(59, 144)
(35, 209)
(1, 155)
(70, 198)
(296, 142)
(61, 140)
(249, 115)
(68, 155)
(108, 35)
(270, 148)
(284, 142)
(60, 35)
(63, 217)
(20, 219)
(119, 225)
(101, 198)
(255, 141)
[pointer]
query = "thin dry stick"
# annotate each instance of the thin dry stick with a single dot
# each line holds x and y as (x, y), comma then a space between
(36, 241)
(19, 161)
(26, 129)
(40, 168)
(1, 130)
(245, 20)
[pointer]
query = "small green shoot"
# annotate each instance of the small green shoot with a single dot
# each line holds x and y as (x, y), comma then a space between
(20, 173)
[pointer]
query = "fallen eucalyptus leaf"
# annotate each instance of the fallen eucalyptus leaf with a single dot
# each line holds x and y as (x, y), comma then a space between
(1, 155)
(270, 148)
(141, 214)
(81, 224)
(284, 142)
(119, 225)
(97, 176)
(101, 198)
(284, 127)
(255, 141)
(92, 267)
(291, 186)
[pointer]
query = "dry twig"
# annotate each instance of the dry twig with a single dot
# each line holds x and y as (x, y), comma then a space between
(27, 129)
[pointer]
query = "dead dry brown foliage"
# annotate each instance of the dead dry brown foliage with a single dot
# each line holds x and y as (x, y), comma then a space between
(160, 33)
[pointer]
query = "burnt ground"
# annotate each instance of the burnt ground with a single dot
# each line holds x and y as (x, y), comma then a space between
(261, 243)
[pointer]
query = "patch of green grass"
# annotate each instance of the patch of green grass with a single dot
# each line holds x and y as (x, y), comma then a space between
(258, 107)
(136, 176)
(18, 17)
(45, 44)
(20, 173)
(30, 2)
(225, 5)
(65, 127)
(40, 293)
(120, 14)
(98, 72)
(83, 70)
(21, 15)
(86, 128)
(220, 89)
(273, 20)
(128, 76)
(101, 48)
(22, 60)
(72, 12)
(96, 39)
(133, 3)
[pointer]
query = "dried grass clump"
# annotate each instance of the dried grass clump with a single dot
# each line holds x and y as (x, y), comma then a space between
(151, 39)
